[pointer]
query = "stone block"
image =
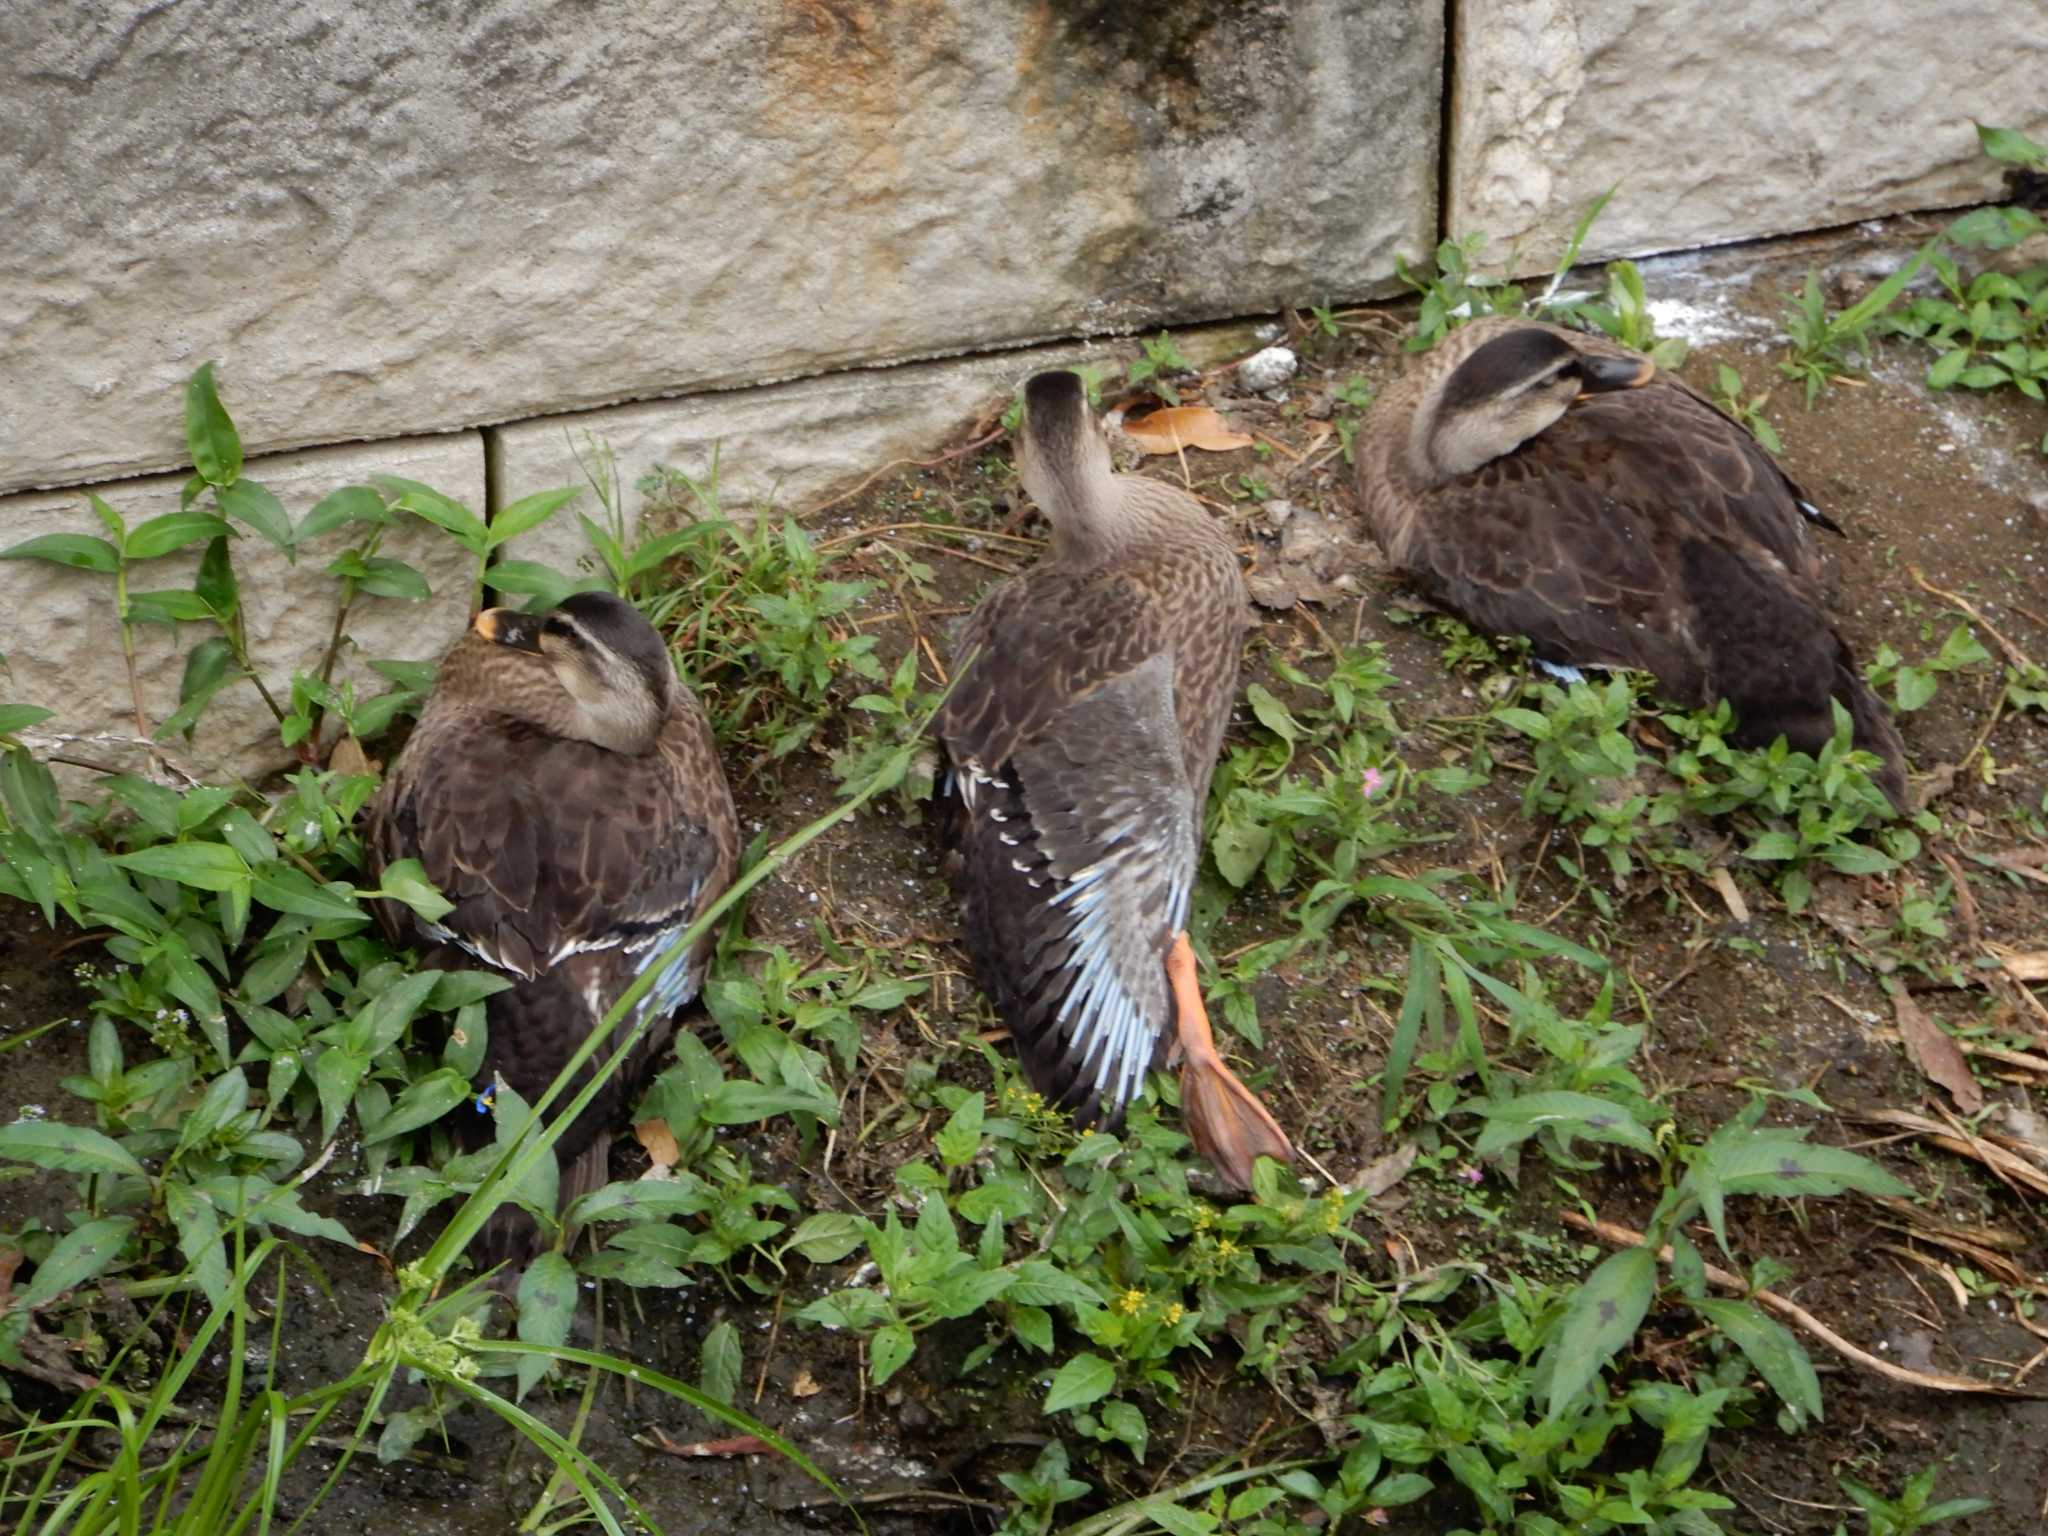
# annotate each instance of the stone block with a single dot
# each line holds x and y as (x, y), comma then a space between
(1728, 120)
(786, 447)
(385, 218)
(62, 640)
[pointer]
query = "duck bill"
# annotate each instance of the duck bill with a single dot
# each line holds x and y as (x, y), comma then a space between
(509, 628)
(1599, 375)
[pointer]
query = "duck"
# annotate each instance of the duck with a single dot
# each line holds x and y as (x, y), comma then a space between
(1537, 481)
(1078, 741)
(564, 791)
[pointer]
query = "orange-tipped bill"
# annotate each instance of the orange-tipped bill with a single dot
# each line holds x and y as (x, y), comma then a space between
(1229, 1125)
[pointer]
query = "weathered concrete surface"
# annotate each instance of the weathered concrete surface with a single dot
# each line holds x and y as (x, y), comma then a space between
(384, 218)
(785, 447)
(1726, 119)
(63, 642)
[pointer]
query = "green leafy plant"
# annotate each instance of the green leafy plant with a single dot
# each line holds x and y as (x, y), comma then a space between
(1827, 344)
(1746, 408)
(1910, 1511)
(1162, 360)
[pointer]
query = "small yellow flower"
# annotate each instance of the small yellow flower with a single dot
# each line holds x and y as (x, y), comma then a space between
(1226, 1249)
(1129, 1302)
(1174, 1313)
(1203, 1218)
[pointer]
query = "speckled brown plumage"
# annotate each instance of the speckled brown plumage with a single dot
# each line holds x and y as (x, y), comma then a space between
(1080, 742)
(571, 864)
(1638, 528)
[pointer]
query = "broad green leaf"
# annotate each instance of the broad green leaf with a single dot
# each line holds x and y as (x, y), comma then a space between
(209, 667)
(1033, 1326)
(205, 866)
(740, 1102)
(173, 531)
(19, 717)
(443, 512)
(639, 1200)
(960, 1140)
(78, 1256)
(547, 1305)
(889, 1351)
(171, 606)
(1082, 1380)
(1778, 1357)
(406, 881)
(115, 524)
(65, 1148)
(2011, 145)
(1601, 1317)
(225, 1098)
(210, 435)
(826, 1237)
(285, 888)
(81, 551)
(718, 1368)
(350, 504)
(529, 512)
(1773, 1163)
(1572, 1115)
(1948, 368)
(1125, 1422)
(423, 1102)
(529, 578)
(1399, 1488)
(1272, 714)
(393, 578)
(248, 502)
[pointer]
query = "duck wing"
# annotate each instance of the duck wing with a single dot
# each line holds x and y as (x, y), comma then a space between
(1602, 537)
(552, 849)
(1077, 863)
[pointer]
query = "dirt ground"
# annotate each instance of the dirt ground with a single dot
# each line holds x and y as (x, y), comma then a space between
(1943, 492)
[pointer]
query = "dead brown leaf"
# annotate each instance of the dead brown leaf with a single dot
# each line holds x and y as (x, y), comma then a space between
(805, 1385)
(734, 1445)
(1383, 1173)
(1184, 426)
(659, 1143)
(2032, 966)
(1938, 1057)
(348, 756)
(1731, 898)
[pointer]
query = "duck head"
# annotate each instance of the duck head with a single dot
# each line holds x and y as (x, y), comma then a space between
(589, 669)
(1063, 460)
(1513, 382)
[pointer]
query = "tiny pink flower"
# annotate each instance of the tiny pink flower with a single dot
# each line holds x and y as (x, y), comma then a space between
(1472, 1174)
(1371, 783)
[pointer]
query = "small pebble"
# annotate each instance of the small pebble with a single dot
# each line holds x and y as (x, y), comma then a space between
(1267, 369)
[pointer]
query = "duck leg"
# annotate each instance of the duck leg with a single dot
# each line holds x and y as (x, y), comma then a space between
(1229, 1125)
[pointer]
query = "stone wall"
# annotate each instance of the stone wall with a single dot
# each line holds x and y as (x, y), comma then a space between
(1721, 120)
(671, 224)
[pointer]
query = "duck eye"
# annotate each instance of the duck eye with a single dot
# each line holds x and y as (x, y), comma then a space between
(561, 630)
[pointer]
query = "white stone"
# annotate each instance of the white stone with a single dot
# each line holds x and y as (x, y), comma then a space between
(1268, 368)
(1726, 120)
(384, 218)
(63, 641)
(783, 447)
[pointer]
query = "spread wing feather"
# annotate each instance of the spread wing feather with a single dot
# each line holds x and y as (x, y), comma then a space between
(1078, 861)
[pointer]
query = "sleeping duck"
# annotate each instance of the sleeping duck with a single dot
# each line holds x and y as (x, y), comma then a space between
(1079, 741)
(563, 790)
(1536, 481)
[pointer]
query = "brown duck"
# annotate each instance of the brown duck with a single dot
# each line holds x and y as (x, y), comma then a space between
(1536, 481)
(563, 790)
(1080, 741)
